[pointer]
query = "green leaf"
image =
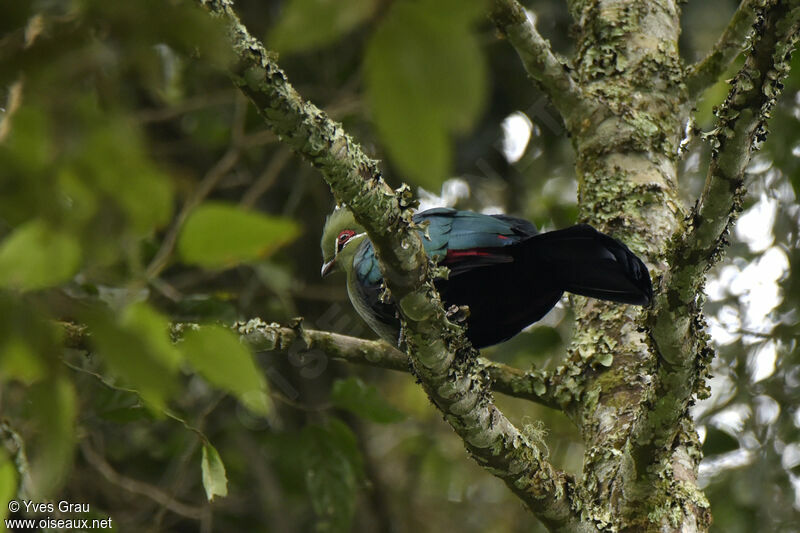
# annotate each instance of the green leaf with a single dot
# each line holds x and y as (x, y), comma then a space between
(28, 147)
(113, 159)
(425, 80)
(334, 469)
(27, 154)
(29, 341)
(82, 201)
(218, 235)
(8, 484)
(365, 401)
(309, 24)
(137, 348)
(153, 328)
(36, 256)
(18, 360)
(53, 409)
(217, 354)
(214, 479)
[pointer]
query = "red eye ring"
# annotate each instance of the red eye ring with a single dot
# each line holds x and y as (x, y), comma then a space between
(344, 236)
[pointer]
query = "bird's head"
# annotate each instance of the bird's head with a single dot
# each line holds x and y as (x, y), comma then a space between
(340, 239)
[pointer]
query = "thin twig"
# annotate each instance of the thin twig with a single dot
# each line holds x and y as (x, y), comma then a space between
(170, 414)
(730, 44)
(676, 324)
(541, 64)
(161, 114)
(33, 29)
(203, 189)
(13, 444)
(267, 178)
(13, 101)
(533, 385)
(183, 461)
(166, 289)
(139, 487)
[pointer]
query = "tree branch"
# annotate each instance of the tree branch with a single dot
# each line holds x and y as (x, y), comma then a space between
(706, 72)
(210, 180)
(444, 362)
(141, 488)
(541, 64)
(533, 385)
(676, 324)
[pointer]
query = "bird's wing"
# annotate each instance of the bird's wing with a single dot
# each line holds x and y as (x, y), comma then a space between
(377, 310)
(464, 240)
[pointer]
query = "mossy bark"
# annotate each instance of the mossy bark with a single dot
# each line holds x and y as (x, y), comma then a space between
(627, 152)
(630, 375)
(634, 378)
(445, 363)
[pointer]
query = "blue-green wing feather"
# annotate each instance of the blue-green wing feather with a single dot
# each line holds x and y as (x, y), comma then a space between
(366, 264)
(447, 230)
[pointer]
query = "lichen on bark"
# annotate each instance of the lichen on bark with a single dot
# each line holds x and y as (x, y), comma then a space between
(629, 377)
(442, 358)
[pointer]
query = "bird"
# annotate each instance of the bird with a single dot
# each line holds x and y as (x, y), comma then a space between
(507, 273)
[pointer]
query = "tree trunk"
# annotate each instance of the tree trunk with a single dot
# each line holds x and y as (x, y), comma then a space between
(627, 154)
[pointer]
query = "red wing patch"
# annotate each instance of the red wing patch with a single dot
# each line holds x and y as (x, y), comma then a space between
(455, 255)
(461, 261)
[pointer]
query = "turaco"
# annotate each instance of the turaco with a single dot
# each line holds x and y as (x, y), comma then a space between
(508, 273)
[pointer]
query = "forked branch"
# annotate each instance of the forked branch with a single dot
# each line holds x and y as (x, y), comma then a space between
(442, 359)
(676, 324)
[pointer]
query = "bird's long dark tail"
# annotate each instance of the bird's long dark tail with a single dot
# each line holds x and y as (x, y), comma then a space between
(584, 261)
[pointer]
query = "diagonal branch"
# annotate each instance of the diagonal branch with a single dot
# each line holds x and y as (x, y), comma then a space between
(443, 361)
(730, 44)
(541, 64)
(134, 486)
(203, 189)
(676, 324)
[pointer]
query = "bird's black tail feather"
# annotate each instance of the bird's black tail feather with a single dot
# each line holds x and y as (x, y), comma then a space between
(584, 261)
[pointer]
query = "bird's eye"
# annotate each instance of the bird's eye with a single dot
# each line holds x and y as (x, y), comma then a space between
(344, 236)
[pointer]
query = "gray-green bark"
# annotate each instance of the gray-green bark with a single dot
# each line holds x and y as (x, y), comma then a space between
(442, 359)
(631, 395)
(292, 340)
(629, 376)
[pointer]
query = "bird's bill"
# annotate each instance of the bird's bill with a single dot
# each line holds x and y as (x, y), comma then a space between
(327, 268)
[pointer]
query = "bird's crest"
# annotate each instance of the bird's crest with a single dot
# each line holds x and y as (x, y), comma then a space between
(340, 219)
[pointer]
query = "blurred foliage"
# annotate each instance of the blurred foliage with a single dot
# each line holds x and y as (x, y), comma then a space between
(424, 79)
(293, 33)
(236, 373)
(217, 235)
(137, 189)
(364, 400)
